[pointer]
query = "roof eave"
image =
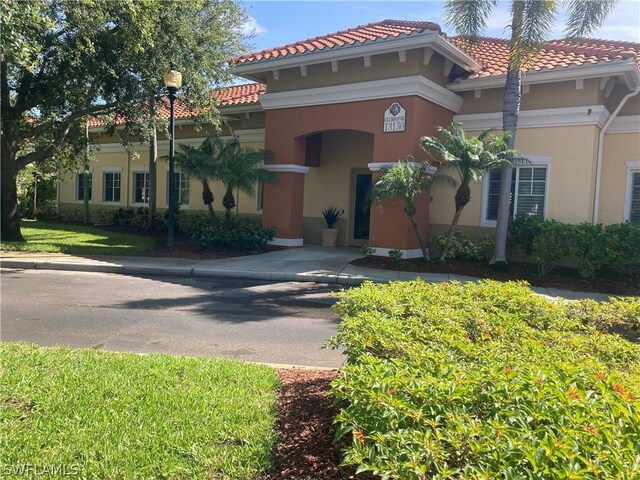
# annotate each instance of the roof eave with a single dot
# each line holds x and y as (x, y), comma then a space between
(425, 39)
(627, 67)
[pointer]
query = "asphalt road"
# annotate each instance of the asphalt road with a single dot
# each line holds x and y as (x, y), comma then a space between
(284, 323)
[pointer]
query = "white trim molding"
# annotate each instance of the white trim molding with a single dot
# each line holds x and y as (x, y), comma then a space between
(356, 92)
(539, 118)
(625, 124)
(411, 253)
(286, 242)
(286, 168)
(392, 44)
(380, 166)
(626, 68)
(111, 169)
(633, 166)
(117, 147)
(250, 135)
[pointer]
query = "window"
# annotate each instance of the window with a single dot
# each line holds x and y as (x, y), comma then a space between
(182, 181)
(111, 187)
(528, 191)
(260, 196)
(634, 200)
(80, 179)
(141, 187)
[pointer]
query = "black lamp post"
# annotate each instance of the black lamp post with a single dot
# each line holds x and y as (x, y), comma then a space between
(173, 81)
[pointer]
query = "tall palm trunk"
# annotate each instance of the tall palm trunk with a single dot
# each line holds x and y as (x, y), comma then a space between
(228, 202)
(86, 217)
(463, 196)
(510, 111)
(416, 228)
(207, 197)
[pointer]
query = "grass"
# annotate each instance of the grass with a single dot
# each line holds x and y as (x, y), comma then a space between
(77, 239)
(112, 415)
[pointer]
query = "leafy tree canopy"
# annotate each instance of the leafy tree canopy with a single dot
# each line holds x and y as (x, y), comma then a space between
(62, 61)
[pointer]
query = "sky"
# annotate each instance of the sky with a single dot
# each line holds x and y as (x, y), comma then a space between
(275, 23)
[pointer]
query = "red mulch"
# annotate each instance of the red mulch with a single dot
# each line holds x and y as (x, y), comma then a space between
(563, 278)
(305, 449)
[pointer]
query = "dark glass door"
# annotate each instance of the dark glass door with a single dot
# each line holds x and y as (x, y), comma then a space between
(362, 207)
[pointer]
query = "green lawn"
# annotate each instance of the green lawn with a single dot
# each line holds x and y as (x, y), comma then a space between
(116, 416)
(77, 239)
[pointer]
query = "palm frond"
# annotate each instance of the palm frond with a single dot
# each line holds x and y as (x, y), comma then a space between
(468, 17)
(531, 22)
(585, 16)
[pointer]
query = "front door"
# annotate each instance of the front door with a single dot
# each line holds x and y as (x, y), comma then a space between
(360, 207)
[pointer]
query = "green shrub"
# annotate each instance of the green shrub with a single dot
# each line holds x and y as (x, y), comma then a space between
(588, 248)
(190, 221)
(550, 245)
(623, 247)
(139, 218)
(462, 248)
(367, 250)
(236, 233)
(395, 255)
(523, 229)
(482, 381)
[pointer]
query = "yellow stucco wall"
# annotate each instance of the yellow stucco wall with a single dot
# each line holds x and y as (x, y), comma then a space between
(571, 176)
(383, 66)
(618, 150)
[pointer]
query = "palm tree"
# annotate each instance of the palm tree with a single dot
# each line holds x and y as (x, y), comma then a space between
(406, 180)
(531, 21)
(205, 163)
(471, 158)
(241, 169)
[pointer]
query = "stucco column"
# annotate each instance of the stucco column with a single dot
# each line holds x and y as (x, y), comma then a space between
(390, 227)
(283, 202)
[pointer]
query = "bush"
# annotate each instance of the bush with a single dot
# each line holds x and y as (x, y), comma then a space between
(395, 255)
(462, 248)
(237, 233)
(623, 245)
(484, 380)
(139, 218)
(588, 248)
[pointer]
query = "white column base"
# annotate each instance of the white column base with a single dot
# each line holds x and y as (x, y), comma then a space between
(287, 242)
(384, 252)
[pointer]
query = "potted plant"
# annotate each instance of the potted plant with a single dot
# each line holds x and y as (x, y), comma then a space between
(329, 235)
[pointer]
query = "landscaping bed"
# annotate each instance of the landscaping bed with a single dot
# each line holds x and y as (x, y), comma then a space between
(113, 415)
(487, 380)
(562, 278)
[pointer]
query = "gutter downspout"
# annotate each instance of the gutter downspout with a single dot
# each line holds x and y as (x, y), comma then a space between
(605, 127)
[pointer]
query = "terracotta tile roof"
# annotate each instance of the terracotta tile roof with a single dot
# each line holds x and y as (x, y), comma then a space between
(372, 32)
(225, 97)
(493, 53)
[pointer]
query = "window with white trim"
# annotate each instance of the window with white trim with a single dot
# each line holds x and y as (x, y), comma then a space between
(80, 180)
(111, 187)
(634, 198)
(141, 187)
(528, 191)
(182, 182)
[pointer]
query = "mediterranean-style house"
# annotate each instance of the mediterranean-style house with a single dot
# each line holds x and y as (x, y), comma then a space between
(336, 110)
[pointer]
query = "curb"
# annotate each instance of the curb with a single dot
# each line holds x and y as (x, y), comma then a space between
(332, 278)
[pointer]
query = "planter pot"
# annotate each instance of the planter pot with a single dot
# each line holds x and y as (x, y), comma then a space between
(329, 237)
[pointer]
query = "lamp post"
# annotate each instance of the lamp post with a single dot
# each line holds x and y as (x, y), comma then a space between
(173, 81)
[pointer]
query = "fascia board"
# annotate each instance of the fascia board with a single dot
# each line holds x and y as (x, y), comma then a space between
(431, 38)
(625, 124)
(353, 92)
(625, 67)
(538, 118)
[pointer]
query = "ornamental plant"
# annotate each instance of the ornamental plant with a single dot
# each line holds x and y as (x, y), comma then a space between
(485, 380)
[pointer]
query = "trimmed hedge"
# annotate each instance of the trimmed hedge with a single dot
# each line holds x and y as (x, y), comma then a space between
(462, 248)
(590, 247)
(486, 380)
(235, 233)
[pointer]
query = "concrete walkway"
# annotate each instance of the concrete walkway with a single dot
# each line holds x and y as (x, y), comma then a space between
(305, 264)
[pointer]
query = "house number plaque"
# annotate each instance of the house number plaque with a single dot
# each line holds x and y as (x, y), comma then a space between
(395, 118)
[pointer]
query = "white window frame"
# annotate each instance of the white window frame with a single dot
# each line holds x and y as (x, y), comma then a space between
(533, 161)
(132, 187)
(166, 197)
(76, 186)
(633, 166)
(104, 171)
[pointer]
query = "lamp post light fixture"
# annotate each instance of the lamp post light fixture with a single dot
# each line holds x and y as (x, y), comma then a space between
(173, 81)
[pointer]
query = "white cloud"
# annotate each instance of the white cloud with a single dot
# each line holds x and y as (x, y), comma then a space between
(252, 28)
